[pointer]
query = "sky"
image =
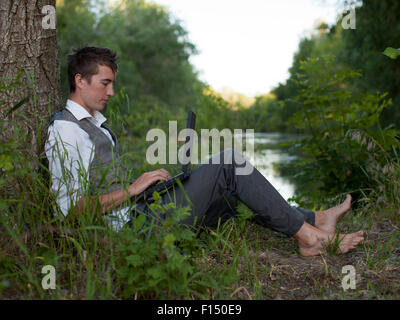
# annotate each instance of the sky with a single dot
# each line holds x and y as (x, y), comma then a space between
(247, 46)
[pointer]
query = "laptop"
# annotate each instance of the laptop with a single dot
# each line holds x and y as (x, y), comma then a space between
(186, 168)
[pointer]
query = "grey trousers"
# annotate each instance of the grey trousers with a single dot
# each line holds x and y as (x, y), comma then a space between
(212, 191)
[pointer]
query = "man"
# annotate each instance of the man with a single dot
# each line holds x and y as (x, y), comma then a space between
(83, 155)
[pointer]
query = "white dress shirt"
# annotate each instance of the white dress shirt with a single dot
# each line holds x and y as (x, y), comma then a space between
(70, 151)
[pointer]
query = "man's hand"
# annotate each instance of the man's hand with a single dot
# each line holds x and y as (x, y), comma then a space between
(146, 180)
(115, 198)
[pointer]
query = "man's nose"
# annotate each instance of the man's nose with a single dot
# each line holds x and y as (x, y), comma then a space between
(110, 90)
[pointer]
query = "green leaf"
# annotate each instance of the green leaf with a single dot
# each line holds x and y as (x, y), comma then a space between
(5, 162)
(392, 52)
(134, 260)
(155, 272)
(156, 196)
(186, 235)
(3, 205)
(139, 221)
(168, 240)
(18, 105)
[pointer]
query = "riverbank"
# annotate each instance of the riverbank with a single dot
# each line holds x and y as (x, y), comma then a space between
(237, 260)
(271, 267)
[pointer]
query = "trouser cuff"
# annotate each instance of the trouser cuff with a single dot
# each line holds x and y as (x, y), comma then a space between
(297, 221)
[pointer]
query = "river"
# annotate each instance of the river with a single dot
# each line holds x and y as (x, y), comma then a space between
(266, 152)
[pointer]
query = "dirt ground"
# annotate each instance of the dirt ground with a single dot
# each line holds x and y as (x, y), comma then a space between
(284, 274)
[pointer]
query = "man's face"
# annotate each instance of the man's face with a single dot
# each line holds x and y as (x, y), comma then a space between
(96, 94)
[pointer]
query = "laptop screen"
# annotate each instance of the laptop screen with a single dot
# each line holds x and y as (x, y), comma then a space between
(191, 122)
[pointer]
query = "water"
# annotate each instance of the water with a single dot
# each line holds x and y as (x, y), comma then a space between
(264, 157)
(266, 152)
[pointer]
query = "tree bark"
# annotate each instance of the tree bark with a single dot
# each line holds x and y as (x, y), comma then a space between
(28, 49)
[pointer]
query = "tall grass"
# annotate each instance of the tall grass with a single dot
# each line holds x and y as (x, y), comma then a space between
(93, 261)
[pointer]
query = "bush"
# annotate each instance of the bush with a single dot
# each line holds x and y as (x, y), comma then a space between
(344, 137)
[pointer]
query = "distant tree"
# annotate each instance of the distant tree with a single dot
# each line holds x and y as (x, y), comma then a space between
(285, 92)
(378, 27)
(154, 52)
(76, 27)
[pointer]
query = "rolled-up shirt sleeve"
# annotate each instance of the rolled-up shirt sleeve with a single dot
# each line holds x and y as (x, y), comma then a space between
(69, 151)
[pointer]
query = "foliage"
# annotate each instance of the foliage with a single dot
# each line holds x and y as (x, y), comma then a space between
(92, 260)
(346, 150)
(24, 198)
(155, 258)
(264, 115)
(73, 16)
(392, 53)
(378, 26)
(336, 152)
(153, 50)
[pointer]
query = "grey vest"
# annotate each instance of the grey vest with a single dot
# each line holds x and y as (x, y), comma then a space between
(106, 172)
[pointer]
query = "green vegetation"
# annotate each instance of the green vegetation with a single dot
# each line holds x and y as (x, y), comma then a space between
(346, 148)
(342, 97)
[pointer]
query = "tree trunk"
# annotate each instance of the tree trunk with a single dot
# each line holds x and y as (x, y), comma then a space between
(28, 48)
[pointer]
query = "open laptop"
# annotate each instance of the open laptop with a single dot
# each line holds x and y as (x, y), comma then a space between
(186, 168)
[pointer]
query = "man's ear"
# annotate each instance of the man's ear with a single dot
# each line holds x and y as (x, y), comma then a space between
(79, 81)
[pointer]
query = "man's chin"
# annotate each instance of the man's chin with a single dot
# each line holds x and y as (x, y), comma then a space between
(101, 105)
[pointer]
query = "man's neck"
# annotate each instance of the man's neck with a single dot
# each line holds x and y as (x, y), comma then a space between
(75, 98)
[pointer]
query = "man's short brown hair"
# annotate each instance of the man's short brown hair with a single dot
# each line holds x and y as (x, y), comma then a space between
(86, 61)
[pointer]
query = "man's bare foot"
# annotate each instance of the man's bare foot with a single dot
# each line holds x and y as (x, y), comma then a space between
(313, 241)
(326, 220)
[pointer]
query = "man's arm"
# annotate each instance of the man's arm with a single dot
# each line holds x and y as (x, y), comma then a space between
(113, 199)
(68, 149)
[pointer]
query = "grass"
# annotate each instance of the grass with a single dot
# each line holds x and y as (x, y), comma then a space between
(234, 260)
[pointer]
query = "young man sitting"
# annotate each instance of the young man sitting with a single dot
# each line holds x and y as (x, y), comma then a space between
(80, 147)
